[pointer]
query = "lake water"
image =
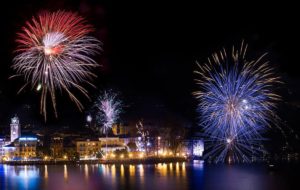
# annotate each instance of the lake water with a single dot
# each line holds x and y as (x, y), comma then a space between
(159, 176)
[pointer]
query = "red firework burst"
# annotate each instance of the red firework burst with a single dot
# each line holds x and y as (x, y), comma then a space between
(54, 53)
(69, 23)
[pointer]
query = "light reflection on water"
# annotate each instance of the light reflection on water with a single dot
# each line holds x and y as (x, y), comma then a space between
(65, 172)
(86, 171)
(70, 176)
(179, 175)
(19, 177)
(46, 172)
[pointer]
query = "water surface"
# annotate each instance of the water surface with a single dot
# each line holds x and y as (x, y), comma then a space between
(178, 175)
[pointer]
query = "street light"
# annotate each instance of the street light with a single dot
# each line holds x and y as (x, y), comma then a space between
(141, 155)
(89, 118)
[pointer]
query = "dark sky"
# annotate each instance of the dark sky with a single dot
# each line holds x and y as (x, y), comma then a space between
(150, 51)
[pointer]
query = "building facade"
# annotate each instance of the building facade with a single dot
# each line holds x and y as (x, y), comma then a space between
(90, 147)
(19, 147)
(194, 148)
(56, 147)
(25, 147)
(2, 145)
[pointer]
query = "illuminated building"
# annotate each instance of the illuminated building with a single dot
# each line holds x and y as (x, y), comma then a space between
(198, 148)
(15, 129)
(90, 147)
(193, 148)
(3, 143)
(9, 151)
(56, 147)
(20, 147)
(119, 129)
(25, 147)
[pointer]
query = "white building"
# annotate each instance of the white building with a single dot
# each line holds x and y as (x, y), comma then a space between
(194, 148)
(89, 147)
(19, 147)
(15, 129)
(198, 148)
(2, 144)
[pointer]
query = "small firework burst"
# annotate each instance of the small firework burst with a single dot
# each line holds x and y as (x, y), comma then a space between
(108, 109)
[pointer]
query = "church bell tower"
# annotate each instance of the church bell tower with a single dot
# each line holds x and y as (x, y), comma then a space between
(15, 129)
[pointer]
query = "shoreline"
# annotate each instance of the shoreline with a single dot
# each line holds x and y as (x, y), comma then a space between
(125, 161)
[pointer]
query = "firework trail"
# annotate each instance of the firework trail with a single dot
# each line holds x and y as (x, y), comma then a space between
(54, 54)
(236, 103)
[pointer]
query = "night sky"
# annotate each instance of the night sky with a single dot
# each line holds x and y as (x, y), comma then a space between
(150, 50)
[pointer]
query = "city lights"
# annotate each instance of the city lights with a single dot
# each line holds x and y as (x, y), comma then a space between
(141, 155)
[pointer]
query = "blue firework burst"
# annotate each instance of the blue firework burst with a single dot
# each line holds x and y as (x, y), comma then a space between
(236, 103)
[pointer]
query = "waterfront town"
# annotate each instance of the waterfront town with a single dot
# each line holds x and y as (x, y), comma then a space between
(123, 142)
(96, 94)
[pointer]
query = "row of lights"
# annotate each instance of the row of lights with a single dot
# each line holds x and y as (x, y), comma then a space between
(141, 155)
(166, 153)
(5, 158)
(47, 158)
(130, 155)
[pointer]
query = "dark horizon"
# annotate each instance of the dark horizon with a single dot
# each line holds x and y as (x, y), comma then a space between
(150, 52)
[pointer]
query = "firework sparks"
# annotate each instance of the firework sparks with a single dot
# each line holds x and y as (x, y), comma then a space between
(54, 53)
(236, 103)
(108, 108)
(143, 138)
